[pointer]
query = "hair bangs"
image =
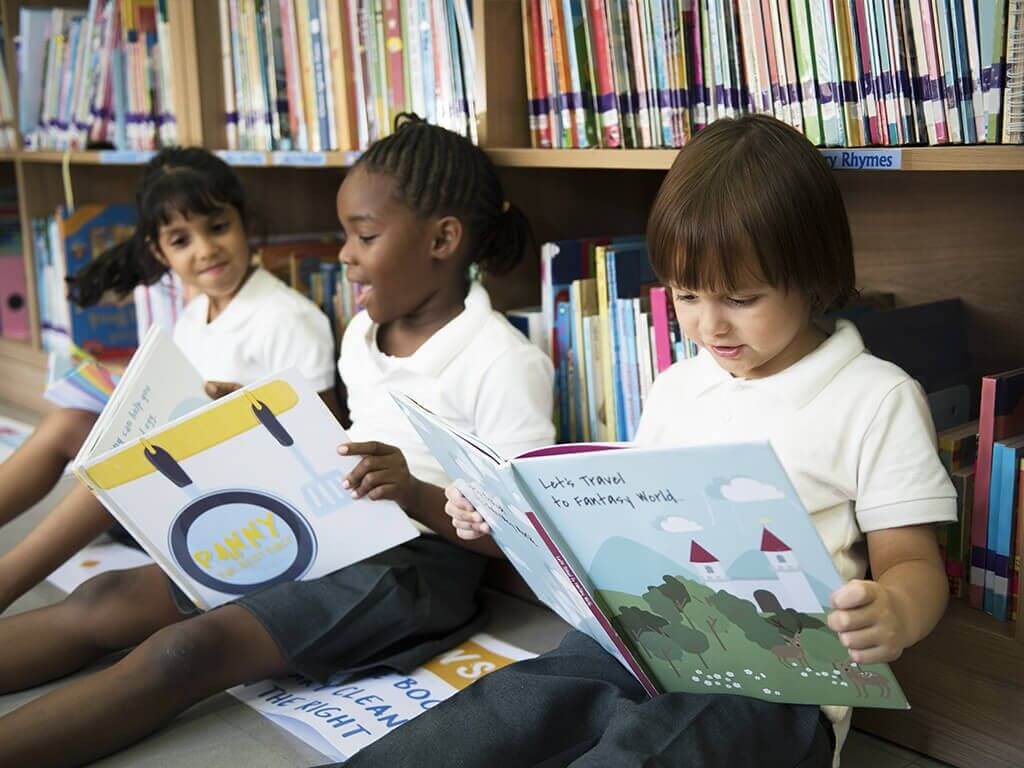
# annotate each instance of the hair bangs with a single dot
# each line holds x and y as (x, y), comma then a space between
(704, 244)
(185, 192)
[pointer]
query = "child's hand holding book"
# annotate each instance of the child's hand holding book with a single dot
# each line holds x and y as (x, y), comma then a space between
(468, 523)
(382, 474)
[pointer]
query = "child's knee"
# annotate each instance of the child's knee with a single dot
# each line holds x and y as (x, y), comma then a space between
(103, 594)
(190, 650)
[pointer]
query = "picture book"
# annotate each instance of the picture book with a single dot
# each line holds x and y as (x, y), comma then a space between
(105, 330)
(76, 379)
(234, 495)
(698, 568)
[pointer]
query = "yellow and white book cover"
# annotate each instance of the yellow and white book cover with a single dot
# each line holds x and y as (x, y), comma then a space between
(244, 493)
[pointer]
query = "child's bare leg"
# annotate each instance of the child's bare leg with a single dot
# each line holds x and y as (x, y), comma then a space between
(73, 523)
(174, 669)
(110, 612)
(32, 470)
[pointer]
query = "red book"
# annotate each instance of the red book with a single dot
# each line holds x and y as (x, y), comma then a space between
(1001, 415)
(395, 49)
(607, 106)
(542, 89)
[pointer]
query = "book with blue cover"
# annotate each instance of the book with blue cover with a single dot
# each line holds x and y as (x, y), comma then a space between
(107, 330)
(698, 568)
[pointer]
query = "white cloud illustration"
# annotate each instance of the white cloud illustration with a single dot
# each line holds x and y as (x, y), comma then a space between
(676, 524)
(748, 489)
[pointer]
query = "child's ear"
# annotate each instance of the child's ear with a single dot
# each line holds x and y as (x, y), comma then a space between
(447, 238)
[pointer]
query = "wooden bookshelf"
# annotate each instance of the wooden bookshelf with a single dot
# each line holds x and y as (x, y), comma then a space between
(948, 224)
(980, 158)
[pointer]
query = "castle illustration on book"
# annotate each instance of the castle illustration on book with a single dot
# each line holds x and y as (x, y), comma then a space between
(697, 567)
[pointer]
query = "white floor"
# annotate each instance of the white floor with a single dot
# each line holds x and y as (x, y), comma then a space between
(222, 732)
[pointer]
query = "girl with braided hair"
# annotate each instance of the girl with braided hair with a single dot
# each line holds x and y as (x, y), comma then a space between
(418, 209)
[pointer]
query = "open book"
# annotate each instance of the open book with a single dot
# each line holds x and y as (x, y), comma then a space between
(698, 568)
(230, 496)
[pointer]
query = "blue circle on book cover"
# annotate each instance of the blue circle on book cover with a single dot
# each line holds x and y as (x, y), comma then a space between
(240, 541)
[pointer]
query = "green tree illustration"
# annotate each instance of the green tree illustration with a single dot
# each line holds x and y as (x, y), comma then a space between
(676, 591)
(744, 615)
(690, 640)
(661, 647)
(789, 621)
(662, 605)
(636, 621)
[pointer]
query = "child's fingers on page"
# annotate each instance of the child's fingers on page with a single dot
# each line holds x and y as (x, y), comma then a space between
(877, 655)
(854, 594)
(848, 621)
(369, 448)
(870, 637)
(384, 491)
(355, 476)
(452, 492)
(373, 479)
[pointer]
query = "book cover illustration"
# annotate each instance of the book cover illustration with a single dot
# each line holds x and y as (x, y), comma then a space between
(699, 567)
(106, 331)
(245, 493)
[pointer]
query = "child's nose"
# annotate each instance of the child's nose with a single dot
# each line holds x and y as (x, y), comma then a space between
(713, 321)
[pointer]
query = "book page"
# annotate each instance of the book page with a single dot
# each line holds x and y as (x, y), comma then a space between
(518, 528)
(707, 562)
(159, 386)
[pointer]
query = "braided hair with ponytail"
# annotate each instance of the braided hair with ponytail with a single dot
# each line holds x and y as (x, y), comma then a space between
(440, 173)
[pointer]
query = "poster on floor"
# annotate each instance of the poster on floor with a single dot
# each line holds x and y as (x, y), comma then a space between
(339, 720)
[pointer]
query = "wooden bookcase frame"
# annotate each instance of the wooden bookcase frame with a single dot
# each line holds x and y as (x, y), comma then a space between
(950, 223)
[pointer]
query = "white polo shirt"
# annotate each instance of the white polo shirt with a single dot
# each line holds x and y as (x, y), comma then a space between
(477, 372)
(853, 432)
(265, 328)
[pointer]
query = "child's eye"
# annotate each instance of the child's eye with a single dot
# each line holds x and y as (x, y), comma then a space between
(178, 242)
(219, 226)
(686, 298)
(741, 302)
(367, 239)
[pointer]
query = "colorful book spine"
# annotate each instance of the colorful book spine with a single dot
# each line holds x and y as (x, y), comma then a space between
(1001, 414)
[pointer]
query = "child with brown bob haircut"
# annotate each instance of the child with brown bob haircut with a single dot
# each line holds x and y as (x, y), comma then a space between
(750, 233)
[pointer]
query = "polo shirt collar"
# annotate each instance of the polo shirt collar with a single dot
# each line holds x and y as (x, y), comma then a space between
(439, 350)
(240, 309)
(801, 382)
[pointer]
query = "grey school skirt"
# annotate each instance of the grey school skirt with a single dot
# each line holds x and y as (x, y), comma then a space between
(396, 610)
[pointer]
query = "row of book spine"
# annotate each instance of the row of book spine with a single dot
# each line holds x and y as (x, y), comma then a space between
(992, 534)
(101, 77)
(321, 75)
(610, 329)
(847, 73)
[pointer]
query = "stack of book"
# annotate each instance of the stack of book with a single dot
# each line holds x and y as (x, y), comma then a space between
(610, 330)
(996, 523)
(96, 77)
(314, 75)
(845, 72)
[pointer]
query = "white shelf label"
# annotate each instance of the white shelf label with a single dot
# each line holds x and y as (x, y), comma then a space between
(864, 159)
(242, 157)
(125, 156)
(300, 159)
